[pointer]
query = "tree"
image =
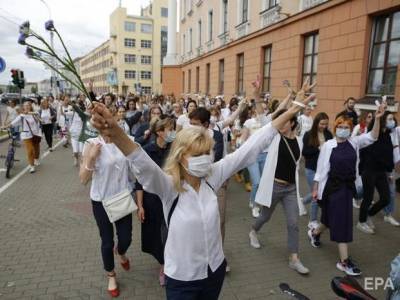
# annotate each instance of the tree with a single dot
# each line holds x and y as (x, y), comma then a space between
(1, 91)
(33, 89)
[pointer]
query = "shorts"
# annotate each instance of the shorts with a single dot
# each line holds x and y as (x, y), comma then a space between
(77, 146)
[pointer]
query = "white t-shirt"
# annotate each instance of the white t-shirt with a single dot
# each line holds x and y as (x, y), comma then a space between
(12, 113)
(76, 124)
(64, 119)
(254, 124)
(183, 121)
(46, 116)
(23, 120)
(111, 171)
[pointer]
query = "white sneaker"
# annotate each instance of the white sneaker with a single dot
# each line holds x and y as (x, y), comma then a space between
(356, 203)
(365, 228)
(32, 169)
(298, 266)
(313, 224)
(392, 221)
(36, 162)
(255, 211)
(227, 269)
(254, 240)
(370, 223)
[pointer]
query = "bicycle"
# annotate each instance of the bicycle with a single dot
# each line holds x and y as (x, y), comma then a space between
(10, 157)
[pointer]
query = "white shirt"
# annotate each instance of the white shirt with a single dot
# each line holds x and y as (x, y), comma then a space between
(46, 116)
(124, 126)
(75, 123)
(305, 124)
(12, 113)
(111, 171)
(183, 121)
(194, 238)
(23, 120)
(254, 124)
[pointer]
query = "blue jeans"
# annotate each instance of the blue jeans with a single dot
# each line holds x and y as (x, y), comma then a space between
(204, 289)
(307, 199)
(255, 171)
(389, 209)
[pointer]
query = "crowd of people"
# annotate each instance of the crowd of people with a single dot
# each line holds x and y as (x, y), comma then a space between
(175, 157)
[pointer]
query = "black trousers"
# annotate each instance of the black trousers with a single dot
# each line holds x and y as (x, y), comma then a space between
(371, 180)
(205, 289)
(48, 133)
(106, 229)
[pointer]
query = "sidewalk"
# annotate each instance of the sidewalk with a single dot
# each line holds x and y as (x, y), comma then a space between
(50, 248)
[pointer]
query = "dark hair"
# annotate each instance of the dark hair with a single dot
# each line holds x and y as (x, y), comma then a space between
(293, 119)
(201, 114)
(348, 99)
(234, 101)
(110, 95)
(382, 122)
(155, 107)
(129, 101)
(244, 115)
(191, 101)
(313, 134)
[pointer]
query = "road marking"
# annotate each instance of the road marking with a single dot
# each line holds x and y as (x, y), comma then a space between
(3, 170)
(20, 174)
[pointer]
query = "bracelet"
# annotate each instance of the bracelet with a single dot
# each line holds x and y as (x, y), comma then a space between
(299, 104)
(89, 169)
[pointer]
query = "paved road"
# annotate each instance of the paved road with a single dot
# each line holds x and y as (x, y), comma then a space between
(50, 246)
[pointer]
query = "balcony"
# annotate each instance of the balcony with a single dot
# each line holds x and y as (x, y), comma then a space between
(199, 51)
(210, 45)
(311, 3)
(243, 29)
(270, 16)
(224, 38)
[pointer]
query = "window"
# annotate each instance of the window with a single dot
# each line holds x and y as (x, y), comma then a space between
(197, 79)
(130, 74)
(189, 81)
(146, 28)
(210, 25)
(245, 10)
(240, 71)
(224, 16)
(184, 44)
(199, 26)
(145, 74)
(269, 4)
(385, 56)
(221, 76)
(164, 12)
(190, 39)
(208, 67)
(146, 90)
(145, 59)
(145, 44)
(130, 58)
(130, 26)
(183, 81)
(310, 60)
(266, 85)
(130, 43)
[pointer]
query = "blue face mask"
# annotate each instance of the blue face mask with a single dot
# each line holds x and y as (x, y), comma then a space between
(343, 133)
(170, 137)
(390, 124)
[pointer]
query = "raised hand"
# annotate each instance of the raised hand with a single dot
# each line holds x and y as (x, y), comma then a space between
(103, 120)
(257, 87)
(307, 87)
(380, 110)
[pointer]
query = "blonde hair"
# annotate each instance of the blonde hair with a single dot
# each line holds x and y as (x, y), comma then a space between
(194, 141)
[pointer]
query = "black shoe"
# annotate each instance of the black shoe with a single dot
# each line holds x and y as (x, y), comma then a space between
(314, 238)
(348, 267)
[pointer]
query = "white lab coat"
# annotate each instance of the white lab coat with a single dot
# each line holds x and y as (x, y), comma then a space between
(265, 188)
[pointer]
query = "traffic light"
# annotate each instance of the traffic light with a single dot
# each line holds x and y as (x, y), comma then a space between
(21, 83)
(14, 76)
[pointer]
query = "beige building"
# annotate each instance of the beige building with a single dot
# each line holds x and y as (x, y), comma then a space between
(131, 60)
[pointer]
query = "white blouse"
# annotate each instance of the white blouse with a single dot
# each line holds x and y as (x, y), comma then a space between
(183, 121)
(23, 120)
(111, 175)
(194, 239)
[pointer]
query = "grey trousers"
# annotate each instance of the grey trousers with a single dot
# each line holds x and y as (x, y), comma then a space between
(286, 194)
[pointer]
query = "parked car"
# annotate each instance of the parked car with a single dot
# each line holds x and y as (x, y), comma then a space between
(8, 96)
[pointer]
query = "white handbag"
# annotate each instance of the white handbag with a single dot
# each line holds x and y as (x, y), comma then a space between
(119, 205)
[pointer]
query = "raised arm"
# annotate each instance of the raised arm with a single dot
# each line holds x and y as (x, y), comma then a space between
(369, 138)
(229, 121)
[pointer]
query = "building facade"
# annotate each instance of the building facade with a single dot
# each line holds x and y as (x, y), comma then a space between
(351, 47)
(131, 60)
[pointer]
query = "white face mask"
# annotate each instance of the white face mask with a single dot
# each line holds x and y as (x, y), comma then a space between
(199, 166)
(343, 133)
(213, 119)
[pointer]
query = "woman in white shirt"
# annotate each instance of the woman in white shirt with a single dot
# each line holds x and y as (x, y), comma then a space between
(47, 117)
(30, 134)
(108, 168)
(11, 115)
(121, 113)
(183, 120)
(194, 258)
(64, 121)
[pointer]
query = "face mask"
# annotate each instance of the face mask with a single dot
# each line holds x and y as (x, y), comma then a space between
(390, 124)
(170, 137)
(199, 166)
(342, 133)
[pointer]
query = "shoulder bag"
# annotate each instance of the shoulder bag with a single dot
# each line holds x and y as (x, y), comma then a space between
(119, 205)
(36, 139)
